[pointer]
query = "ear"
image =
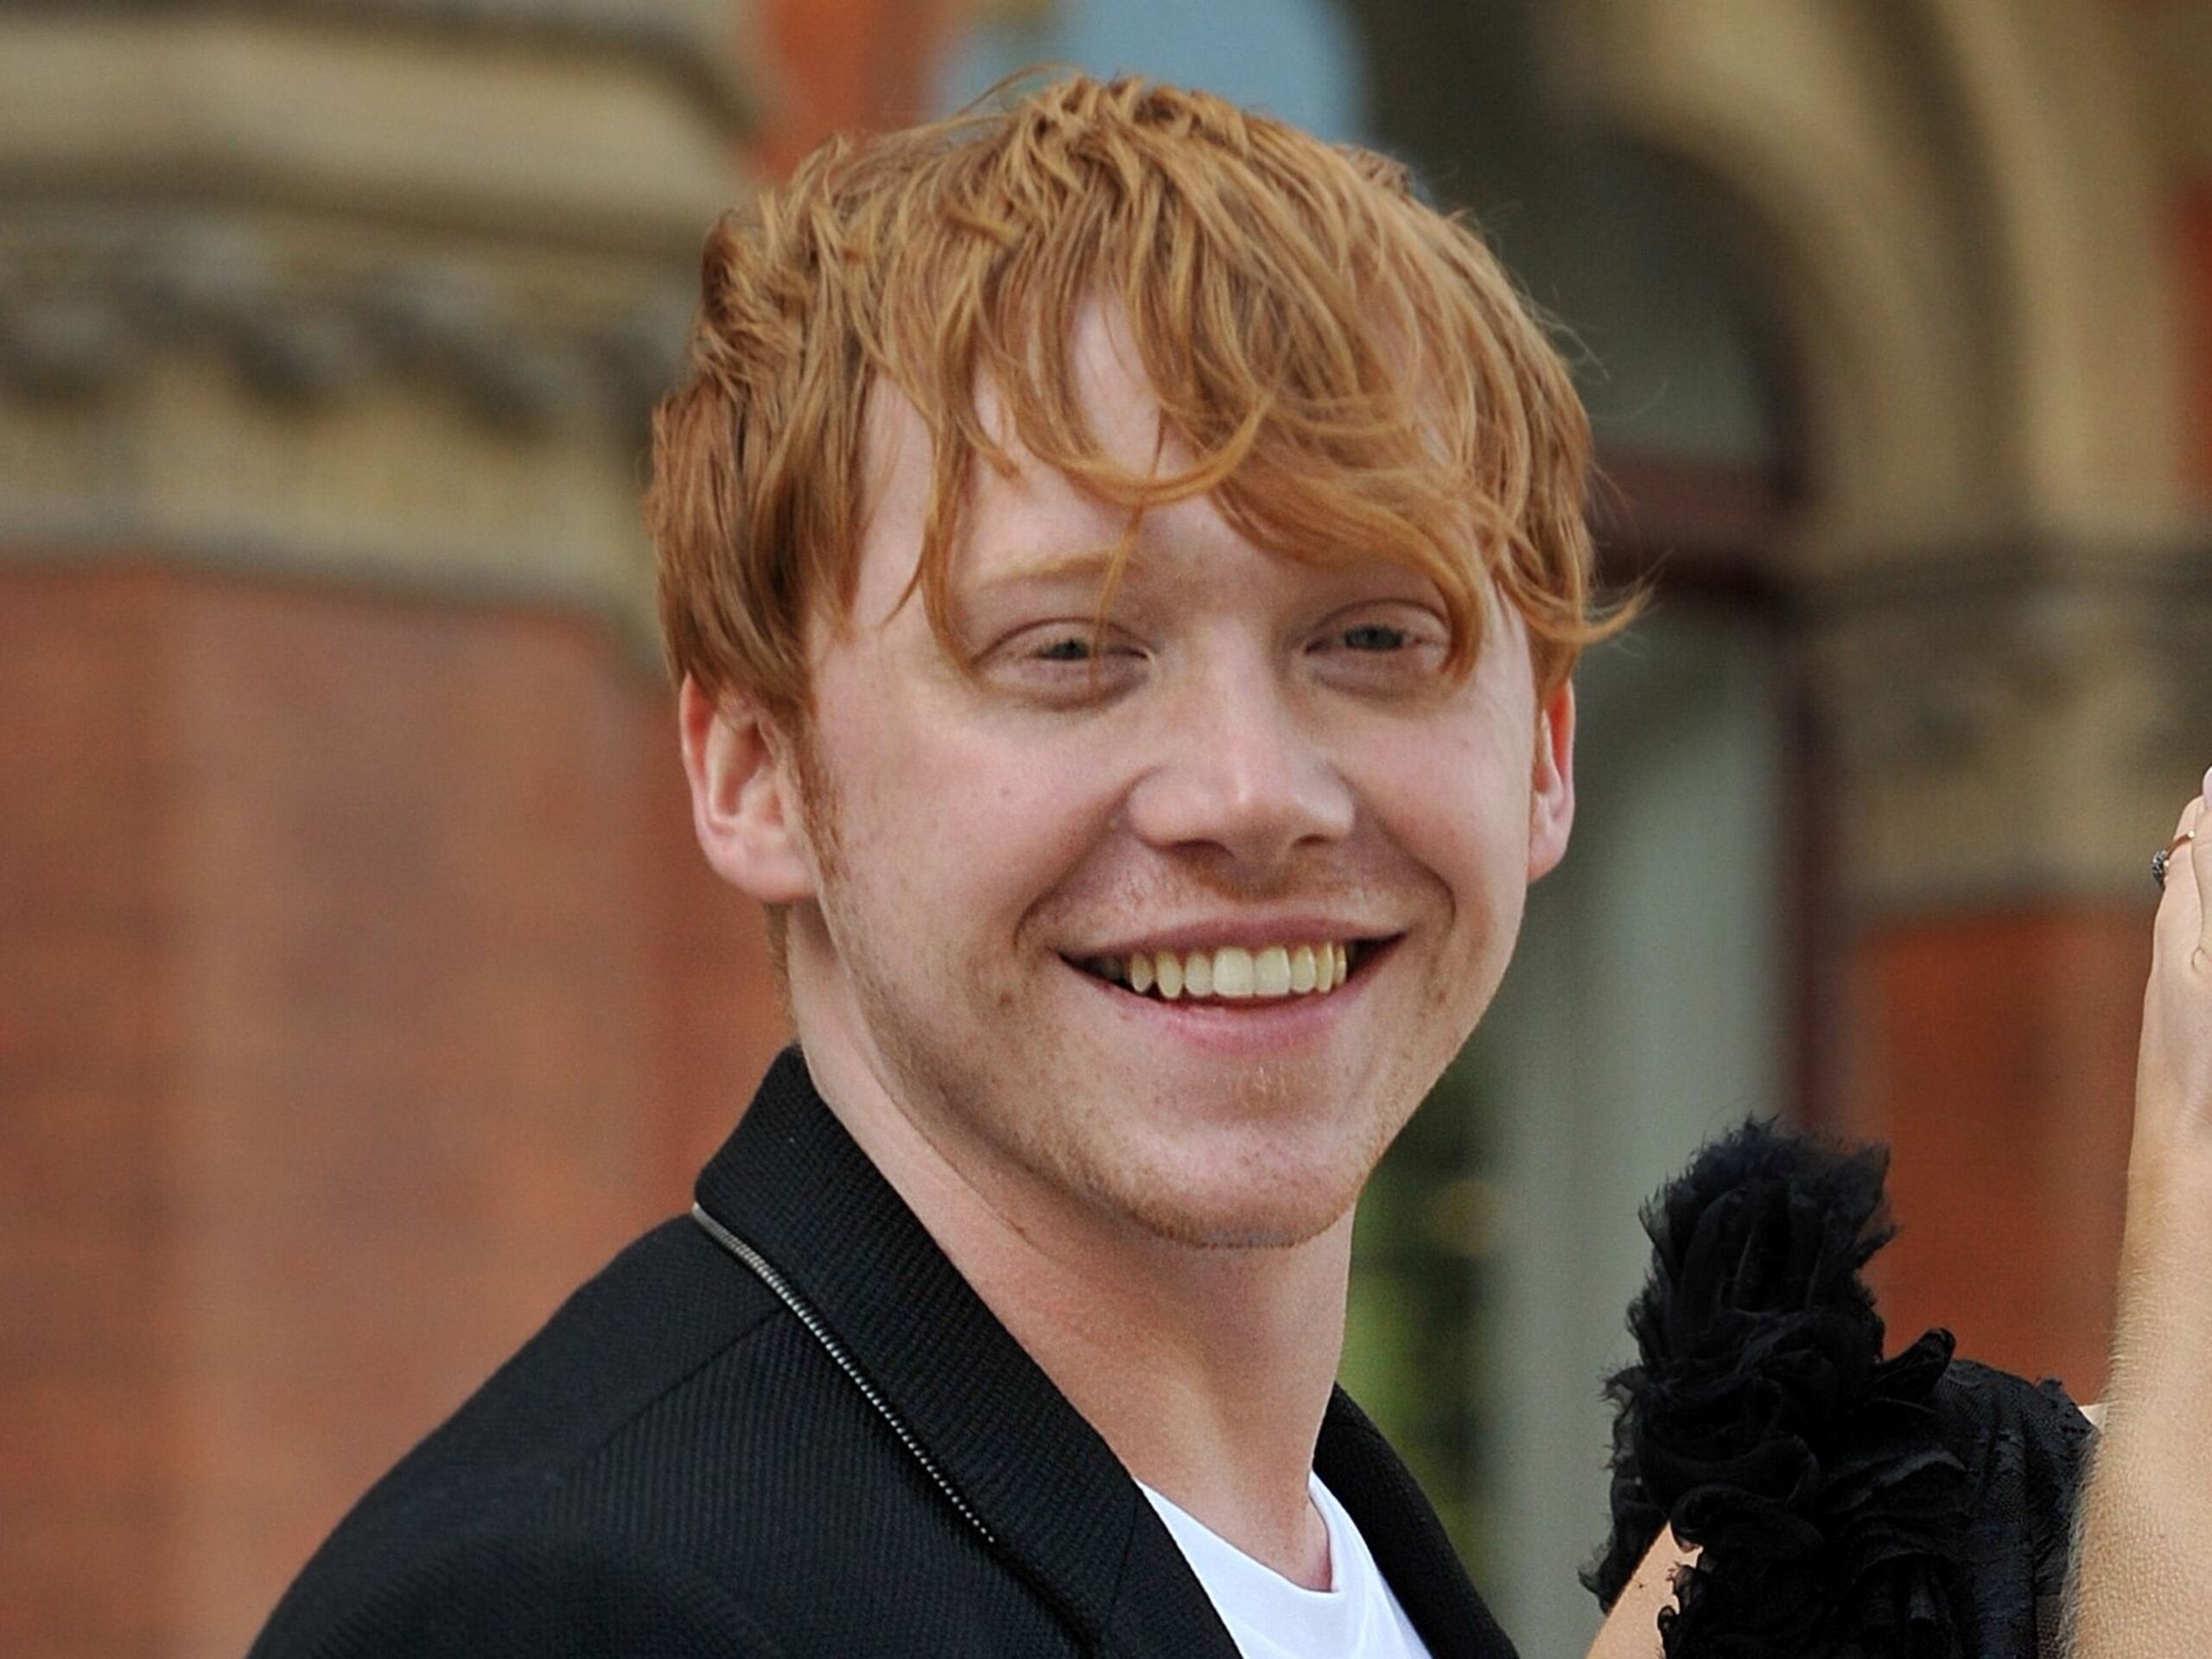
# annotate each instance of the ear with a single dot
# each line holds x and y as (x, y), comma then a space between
(745, 803)
(1551, 797)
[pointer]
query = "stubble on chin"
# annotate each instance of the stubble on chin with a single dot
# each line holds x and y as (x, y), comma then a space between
(1275, 1169)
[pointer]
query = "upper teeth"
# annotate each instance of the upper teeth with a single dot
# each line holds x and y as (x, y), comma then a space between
(1230, 970)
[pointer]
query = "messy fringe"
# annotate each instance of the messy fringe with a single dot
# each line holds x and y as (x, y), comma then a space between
(1348, 374)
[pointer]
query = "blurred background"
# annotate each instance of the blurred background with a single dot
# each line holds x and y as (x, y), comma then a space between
(360, 987)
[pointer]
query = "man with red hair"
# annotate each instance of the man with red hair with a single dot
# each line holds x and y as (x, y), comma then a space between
(1123, 561)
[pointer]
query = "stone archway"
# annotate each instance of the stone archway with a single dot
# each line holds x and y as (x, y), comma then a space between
(1962, 214)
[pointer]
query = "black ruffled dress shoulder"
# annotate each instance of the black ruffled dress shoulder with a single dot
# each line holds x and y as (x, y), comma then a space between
(1847, 1505)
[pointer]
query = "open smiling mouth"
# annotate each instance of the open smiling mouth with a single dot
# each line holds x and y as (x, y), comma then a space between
(1235, 973)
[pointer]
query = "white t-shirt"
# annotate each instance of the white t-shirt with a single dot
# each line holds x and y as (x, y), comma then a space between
(1356, 1618)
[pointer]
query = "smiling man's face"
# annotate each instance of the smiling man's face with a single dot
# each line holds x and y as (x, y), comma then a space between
(1080, 910)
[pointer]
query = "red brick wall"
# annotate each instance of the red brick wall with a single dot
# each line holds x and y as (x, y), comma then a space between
(363, 990)
(88, 1047)
(1997, 1056)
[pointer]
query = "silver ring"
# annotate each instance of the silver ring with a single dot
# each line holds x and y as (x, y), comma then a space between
(2164, 856)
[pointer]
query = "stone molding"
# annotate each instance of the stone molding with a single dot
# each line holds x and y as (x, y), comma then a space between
(1963, 205)
(91, 300)
(2021, 723)
(474, 136)
(377, 292)
(395, 494)
(697, 40)
(252, 394)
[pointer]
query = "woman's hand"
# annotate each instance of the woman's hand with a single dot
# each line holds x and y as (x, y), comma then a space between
(1631, 1629)
(2143, 1580)
(2173, 1091)
(2164, 1334)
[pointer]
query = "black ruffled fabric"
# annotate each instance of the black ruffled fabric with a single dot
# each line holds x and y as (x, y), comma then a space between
(1847, 1506)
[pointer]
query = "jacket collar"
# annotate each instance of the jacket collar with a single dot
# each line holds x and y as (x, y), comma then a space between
(791, 1184)
(1357, 1464)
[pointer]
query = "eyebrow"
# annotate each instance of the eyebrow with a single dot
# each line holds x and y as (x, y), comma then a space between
(1051, 572)
(1068, 564)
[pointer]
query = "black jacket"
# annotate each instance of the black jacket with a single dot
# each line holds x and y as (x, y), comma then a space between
(835, 1450)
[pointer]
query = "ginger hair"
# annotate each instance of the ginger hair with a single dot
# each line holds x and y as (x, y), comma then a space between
(1350, 372)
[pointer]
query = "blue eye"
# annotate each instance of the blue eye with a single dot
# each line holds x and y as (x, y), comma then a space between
(1374, 636)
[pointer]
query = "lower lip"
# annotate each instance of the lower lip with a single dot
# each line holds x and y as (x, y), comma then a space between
(1247, 1026)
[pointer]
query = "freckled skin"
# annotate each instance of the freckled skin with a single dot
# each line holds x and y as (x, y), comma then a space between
(1259, 738)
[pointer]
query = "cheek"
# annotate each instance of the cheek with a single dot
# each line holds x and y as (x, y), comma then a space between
(978, 821)
(1459, 806)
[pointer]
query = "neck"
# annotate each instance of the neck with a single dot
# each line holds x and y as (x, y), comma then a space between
(1206, 1371)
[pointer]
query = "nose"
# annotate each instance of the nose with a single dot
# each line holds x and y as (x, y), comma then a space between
(1240, 769)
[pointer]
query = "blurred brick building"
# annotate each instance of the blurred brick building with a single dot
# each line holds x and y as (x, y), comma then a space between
(360, 986)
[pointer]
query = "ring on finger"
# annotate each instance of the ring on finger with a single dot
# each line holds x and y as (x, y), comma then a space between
(2160, 859)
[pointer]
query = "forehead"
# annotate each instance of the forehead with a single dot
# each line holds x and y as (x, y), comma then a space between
(1018, 510)
(1004, 506)
(1084, 470)
(1115, 401)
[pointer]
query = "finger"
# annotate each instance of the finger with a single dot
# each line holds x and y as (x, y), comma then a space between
(2198, 872)
(2178, 931)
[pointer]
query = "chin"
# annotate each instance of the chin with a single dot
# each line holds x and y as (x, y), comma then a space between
(1254, 1233)
(1260, 1205)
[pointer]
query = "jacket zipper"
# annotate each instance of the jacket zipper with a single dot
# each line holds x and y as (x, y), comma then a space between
(766, 1273)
